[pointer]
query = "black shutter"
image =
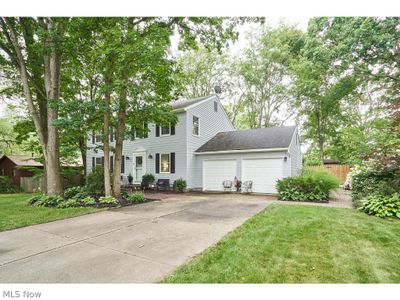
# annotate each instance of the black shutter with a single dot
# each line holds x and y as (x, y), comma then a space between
(157, 130)
(111, 163)
(145, 133)
(173, 162)
(172, 129)
(123, 164)
(93, 163)
(111, 135)
(102, 161)
(157, 163)
(93, 137)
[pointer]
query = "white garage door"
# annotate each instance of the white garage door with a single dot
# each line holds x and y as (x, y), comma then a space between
(264, 172)
(216, 171)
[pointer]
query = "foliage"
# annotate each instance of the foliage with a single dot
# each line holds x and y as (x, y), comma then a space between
(238, 185)
(72, 191)
(130, 178)
(88, 201)
(381, 205)
(150, 178)
(95, 181)
(69, 203)
(6, 187)
(82, 195)
(108, 200)
(181, 184)
(45, 201)
(136, 197)
(310, 186)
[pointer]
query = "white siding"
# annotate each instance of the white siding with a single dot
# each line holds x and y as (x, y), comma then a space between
(295, 155)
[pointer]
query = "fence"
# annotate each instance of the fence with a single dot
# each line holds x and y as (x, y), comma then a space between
(31, 184)
(339, 171)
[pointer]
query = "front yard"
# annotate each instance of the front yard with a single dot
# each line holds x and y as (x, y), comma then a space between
(298, 244)
(15, 213)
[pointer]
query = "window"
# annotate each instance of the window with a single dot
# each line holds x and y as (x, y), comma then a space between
(165, 163)
(98, 138)
(2, 172)
(165, 130)
(99, 162)
(14, 172)
(215, 106)
(195, 130)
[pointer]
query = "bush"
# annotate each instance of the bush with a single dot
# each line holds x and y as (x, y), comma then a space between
(368, 183)
(137, 197)
(95, 182)
(381, 205)
(68, 204)
(108, 200)
(6, 187)
(81, 195)
(310, 186)
(46, 201)
(88, 201)
(148, 178)
(72, 191)
(181, 184)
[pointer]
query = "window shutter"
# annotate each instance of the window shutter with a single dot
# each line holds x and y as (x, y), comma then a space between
(102, 161)
(157, 130)
(93, 137)
(111, 163)
(123, 164)
(111, 135)
(172, 129)
(93, 163)
(157, 163)
(173, 162)
(145, 133)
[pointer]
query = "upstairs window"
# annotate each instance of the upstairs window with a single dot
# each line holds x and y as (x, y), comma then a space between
(98, 138)
(195, 130)
(165, 130)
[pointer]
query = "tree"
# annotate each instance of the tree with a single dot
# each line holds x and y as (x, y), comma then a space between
(33, 47)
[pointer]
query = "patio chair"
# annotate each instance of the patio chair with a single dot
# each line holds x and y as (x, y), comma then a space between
(247, 186)
(162, 184)
(227, 184)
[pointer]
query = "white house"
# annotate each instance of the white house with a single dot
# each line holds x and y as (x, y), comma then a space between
(204, 149)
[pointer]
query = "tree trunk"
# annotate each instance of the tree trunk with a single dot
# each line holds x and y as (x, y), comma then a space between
(106, 137)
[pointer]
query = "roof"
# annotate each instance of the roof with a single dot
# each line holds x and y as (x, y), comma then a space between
(29, 161)
(184, 103)
(261, 138)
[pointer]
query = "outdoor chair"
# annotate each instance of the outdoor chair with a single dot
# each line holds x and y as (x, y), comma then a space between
(162, 184)
(227, 184)
(247, 186)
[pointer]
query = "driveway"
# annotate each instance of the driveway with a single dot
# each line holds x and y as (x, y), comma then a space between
(141, 243)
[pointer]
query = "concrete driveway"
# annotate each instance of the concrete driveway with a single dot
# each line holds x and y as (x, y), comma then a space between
(142, 243)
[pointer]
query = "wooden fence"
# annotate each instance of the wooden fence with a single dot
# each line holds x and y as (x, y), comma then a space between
(339, 171)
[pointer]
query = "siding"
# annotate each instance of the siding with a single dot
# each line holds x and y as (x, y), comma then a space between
(295, 155)
(211, 122)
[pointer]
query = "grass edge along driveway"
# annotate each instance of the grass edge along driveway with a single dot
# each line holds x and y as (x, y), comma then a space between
(15, 213)
(301, 244)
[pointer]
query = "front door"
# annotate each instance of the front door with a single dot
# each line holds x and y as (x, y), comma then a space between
(139, 166)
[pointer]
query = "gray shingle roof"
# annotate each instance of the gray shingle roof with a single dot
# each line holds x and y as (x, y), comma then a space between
(183, 103)
(262, 138)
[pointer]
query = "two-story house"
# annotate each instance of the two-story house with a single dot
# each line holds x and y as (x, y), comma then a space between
(204, 149)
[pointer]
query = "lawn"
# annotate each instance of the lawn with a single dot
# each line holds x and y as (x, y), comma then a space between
(296, 244)
(14, 212)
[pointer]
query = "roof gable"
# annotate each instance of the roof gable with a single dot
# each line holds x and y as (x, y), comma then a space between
(184, 104)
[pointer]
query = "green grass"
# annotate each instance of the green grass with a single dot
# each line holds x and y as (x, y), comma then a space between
(297, 244)
(15, 213)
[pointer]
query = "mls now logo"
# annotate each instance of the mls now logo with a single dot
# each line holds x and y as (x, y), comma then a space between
(18, 294)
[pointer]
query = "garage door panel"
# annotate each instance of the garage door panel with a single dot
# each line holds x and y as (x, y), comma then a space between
(216, 171)
(264, 172)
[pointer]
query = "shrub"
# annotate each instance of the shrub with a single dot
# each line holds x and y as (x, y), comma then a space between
(95, 182)
(311, 186)
(7, 187)
(136, 197)
(108, 200)
(81, 195)
(181, 184)
(46, 201)
(69, 203)
(381, 205)
(88, 201)
(148, 178)
(130, 178)
(72, 191)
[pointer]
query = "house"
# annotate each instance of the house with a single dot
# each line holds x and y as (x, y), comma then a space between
(204, 149)
(19, 167)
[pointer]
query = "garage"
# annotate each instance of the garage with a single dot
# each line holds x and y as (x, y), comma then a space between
(264, 172)
(216, 171)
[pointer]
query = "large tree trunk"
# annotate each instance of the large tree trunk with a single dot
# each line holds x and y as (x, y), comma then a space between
(106, 137)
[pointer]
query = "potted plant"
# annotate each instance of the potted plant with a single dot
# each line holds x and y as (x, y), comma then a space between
(130, 178)
(238, 185)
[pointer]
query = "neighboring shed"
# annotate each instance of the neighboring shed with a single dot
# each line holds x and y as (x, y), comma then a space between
(259, 155)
